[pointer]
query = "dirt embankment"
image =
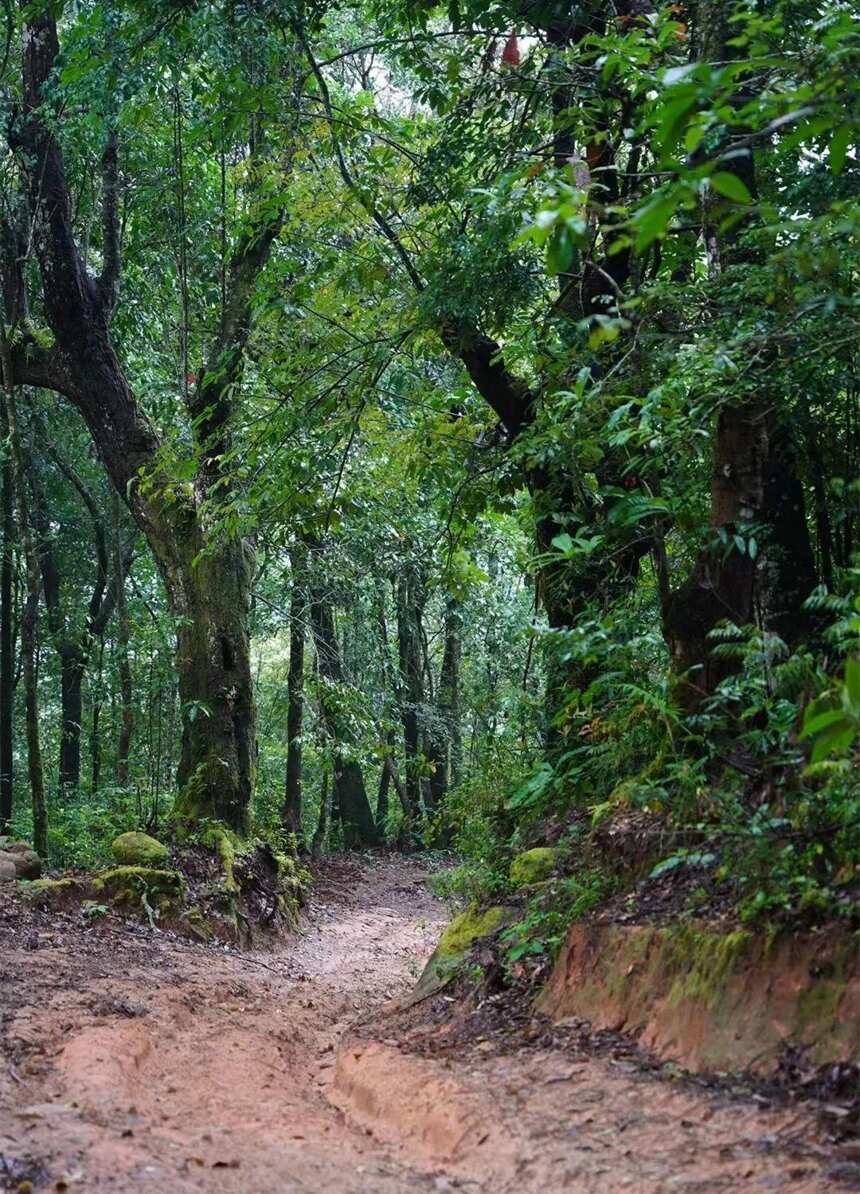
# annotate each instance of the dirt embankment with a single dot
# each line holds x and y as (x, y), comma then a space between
(129, 1060)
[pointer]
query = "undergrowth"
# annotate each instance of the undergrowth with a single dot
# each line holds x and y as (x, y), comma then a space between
(760, 785)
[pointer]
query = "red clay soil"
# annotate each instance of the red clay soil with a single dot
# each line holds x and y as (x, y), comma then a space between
(132, 1060)
(712, 1000)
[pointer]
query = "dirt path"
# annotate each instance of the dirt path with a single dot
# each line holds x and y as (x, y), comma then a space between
(131, 1061)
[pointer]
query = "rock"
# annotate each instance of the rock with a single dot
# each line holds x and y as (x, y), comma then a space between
(455, 946)
(54, 893)
(139, 849)
(467, 928)
(24, 861)
(132, 888)
(533, 866)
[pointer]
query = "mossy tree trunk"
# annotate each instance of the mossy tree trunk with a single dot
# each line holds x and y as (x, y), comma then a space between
(217, 764)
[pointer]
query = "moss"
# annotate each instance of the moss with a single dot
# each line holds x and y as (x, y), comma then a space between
(818, 1006)
(198, 924)
(533, 866)
(52, 893)
(189, 802)
(138, 849)
(226, 845)
(139, 887)
(467, 928)
(704, 961)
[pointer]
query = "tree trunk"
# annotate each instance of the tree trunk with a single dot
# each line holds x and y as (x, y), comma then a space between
(824, 532)
(217, 764)
(29, 620)
(720, 586)
(321, 831)
(389, 769)
(291, 816)
(411, 688)
(7, 657)
(382, 797)
(72, 665)
(789, 561)
(752, 477)
(122, 661)
(448, 745)
(348, 791)
(95, 732)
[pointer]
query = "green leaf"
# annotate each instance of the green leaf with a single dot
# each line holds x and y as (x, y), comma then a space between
(731, 186)
(559, 254)
(852, 679)
(835, 739)
(839, 143)
(653, 220)
(814, 725)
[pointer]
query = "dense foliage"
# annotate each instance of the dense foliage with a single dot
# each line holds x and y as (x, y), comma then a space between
(477, 387)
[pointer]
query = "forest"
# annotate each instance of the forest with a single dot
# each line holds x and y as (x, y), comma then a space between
(431, 435)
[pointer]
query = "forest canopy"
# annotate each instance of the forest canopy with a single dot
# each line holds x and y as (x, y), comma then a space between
(435, 425)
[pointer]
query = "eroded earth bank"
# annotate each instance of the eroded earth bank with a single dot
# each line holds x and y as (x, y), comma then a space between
(131, 1060)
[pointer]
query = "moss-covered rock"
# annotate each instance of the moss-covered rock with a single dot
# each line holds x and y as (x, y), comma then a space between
(467, 928)
(139, 849)
(533, 866)
(455, 945)
(54, 893)
(140, 888)
(197, 924)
